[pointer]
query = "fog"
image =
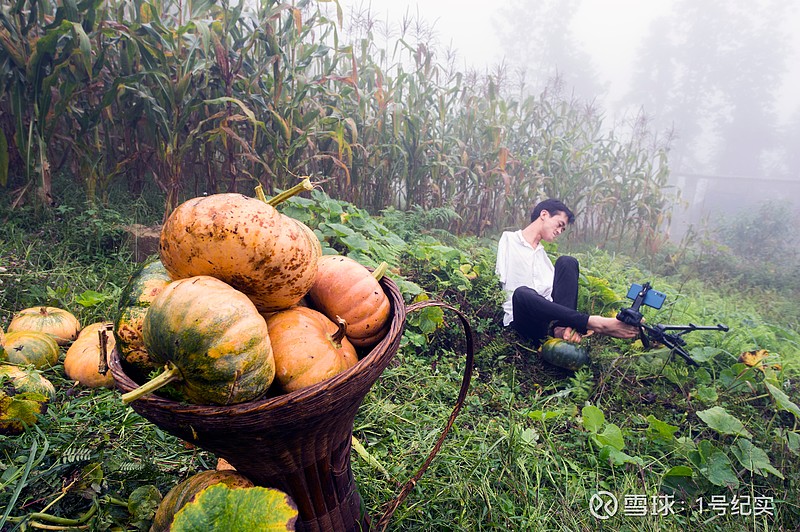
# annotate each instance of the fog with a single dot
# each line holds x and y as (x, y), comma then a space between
(720, 78)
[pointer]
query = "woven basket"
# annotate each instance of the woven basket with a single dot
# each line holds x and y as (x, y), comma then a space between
(298, 442)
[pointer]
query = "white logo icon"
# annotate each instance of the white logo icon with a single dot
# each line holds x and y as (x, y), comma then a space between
(603, 505)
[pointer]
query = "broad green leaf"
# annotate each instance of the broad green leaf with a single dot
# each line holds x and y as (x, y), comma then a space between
(713, 464)
(679, 471)
(338, 229)
(783, 400)
(658, 430)
(616, 457)
(611, 435)
(90, 298)
(720, 420)
(707, 394)
(529, 436)
(753, 458)
(219, 507)
(719, 472)
(541, 415)
(678, 479)
(356, 242)
(704, 354)
(593, 418)
(702, 376)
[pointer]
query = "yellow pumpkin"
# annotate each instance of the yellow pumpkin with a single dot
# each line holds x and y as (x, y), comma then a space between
(82, 361)
(61, 324)
(345, 288)
(31, 347)
(2, 343)
(244, 242)
(308, 347)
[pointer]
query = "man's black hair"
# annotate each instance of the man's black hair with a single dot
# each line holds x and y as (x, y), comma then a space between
(553, 206)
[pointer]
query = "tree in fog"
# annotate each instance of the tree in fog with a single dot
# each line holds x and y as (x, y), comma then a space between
(712, 70)
(537, 38)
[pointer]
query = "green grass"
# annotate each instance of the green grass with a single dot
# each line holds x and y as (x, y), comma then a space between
(523, 454)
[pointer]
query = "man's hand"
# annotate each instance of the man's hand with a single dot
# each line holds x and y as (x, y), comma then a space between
(612, 327)
(569, 334)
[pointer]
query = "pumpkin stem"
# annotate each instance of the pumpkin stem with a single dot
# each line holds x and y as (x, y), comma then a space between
(171, 373)
(303, 185)
(380, 271)
(337, 337)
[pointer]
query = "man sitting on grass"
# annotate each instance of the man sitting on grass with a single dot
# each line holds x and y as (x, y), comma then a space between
(542, 298)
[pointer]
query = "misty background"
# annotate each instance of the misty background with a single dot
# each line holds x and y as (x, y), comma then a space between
(718, 81)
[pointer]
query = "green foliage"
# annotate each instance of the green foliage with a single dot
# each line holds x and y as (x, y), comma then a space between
(209, 97)
(532, 444)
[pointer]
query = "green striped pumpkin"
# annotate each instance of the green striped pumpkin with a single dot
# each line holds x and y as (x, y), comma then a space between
(31, 347)
(142, 288)
(214, 340)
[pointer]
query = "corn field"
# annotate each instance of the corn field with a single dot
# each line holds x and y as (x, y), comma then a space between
(210, 96)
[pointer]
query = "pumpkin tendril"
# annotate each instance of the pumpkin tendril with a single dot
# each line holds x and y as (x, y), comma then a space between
(171, 374)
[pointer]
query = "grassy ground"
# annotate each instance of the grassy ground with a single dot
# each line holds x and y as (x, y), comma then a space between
(531, 447)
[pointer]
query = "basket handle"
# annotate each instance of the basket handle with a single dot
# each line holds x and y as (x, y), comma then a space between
(395, 503)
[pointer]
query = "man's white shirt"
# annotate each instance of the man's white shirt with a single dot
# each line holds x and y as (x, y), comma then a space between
(520, 264)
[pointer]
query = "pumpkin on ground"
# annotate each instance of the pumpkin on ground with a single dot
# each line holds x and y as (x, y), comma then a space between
(142, 288)
(244, 242)
(308, 347)
(185, 492)
(82, 361)
(23, 380)
(564, 354)
(61, 324)
(31, 347)
(213, 340)
(2, 343)
(345, 288)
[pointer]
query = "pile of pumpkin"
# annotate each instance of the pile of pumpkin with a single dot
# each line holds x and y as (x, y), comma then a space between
(242, 303)
(32, 345)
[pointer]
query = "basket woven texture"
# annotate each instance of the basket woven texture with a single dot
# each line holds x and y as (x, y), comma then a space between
(298, 442)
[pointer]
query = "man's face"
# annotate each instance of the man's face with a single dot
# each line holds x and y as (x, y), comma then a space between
(553, 225)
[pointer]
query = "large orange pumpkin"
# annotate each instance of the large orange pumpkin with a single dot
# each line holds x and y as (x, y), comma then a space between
(31, 347)
(308, 347)
(244, 242)
(82, 361)
(345, 288)
(61, 324)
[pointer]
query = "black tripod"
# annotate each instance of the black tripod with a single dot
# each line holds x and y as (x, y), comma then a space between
(642, 295)
(657, 333)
